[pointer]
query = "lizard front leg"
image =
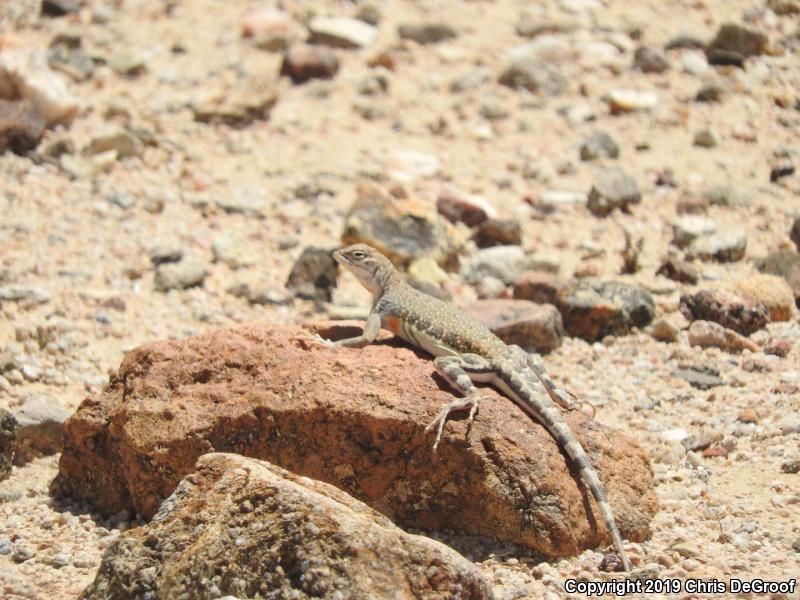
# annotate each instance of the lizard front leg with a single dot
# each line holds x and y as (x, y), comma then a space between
(372, 327)
(457, 370)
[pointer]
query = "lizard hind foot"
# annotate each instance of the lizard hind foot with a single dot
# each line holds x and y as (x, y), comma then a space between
(471, 402)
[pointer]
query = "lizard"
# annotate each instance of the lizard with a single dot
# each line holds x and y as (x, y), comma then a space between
(466, 352)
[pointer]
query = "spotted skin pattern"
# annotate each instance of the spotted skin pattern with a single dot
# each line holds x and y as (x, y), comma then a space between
(466, 351)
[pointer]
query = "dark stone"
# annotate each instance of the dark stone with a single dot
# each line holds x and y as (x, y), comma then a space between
(598, 145)
(535, 76)
(733, 44)
(303, 63)
(313, 276)
(791, 467)
(650, 60)
(685, 41)
(498, 232)
(541, 287)
(592, 309)
(8, 426)
(700, 378)
(613, 189)
(59, 8)
(780, 171)
(712, 91)
(794, 233)
(678, 270)
(730, 309)
(21, 126)
(426, 33)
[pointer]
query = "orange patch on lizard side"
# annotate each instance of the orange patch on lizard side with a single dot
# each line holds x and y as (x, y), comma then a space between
(392, 324)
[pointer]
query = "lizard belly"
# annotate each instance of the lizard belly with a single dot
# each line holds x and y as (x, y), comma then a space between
(424, 341)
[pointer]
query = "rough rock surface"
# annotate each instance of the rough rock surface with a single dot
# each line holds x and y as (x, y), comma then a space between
(403, 230)
(730, 309)
(773, 291)
(40, 421)
(527, 324)
(245, 528)
(353, 418)
(8, 425)
(786, 264)
(592, 309)
(708, 333)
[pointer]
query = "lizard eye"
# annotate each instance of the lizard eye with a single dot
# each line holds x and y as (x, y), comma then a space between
(359, 254)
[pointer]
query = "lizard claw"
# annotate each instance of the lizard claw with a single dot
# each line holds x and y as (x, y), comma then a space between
(315, 338)
(471, 401)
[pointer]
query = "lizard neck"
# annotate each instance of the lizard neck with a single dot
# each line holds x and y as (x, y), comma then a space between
(382, 279)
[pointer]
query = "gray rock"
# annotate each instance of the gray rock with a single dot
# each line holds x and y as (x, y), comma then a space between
(650, 60)
(232, 249)
(8, 427)
(728, 245)
(505, 263)
(402, 229)
(678, 270)
(613, 189)
(122, 200)
(784, 7)
(701, 379)
(341, 32)
(264, 532)
(726, 195)
(40, 427)
(459, 207)
(377, 82)
(426, 33)
(124, 143)
(534, 327)
(188, 272)
(535, 76)
(685, 41)
(245, 201)
(592, 309)
(599, 144)
(469, 81)
(165, 253)
(729, 308)
(73, 62)
(24, 293)
(530, 27)
(705, 138)
(313, 275)
(734, 43)
(688, 228)
(128, 62)
(694, 63)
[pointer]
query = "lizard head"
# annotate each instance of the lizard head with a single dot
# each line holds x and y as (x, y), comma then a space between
(372, 268)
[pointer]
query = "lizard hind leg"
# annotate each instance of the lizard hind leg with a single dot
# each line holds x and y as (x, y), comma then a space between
(459, 371)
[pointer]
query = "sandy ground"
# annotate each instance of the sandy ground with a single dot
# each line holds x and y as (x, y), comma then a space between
(723, 517)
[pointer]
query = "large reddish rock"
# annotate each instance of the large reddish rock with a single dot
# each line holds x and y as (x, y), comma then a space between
(245, 528)
(354, 418)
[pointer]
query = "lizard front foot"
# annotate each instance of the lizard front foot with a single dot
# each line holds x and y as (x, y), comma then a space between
(315, 338)
(470, 401)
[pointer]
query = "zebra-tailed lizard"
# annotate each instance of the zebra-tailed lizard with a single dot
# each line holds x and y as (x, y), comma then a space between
(465, 351)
